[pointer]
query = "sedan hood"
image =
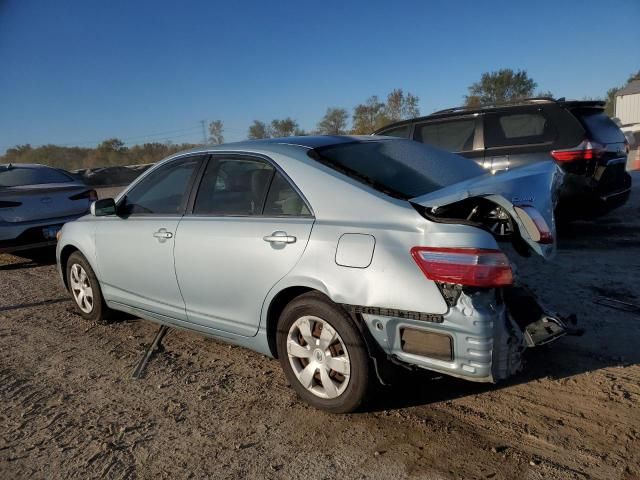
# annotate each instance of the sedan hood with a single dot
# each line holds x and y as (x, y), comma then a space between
(534, 185)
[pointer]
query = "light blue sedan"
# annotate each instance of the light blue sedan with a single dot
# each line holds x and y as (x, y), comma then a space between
(335, 255)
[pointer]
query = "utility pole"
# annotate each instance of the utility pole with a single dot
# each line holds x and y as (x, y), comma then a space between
(204, 132)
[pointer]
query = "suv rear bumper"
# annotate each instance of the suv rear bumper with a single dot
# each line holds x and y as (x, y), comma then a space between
(607, 189)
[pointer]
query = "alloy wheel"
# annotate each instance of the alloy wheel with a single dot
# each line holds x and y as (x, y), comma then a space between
(81, 288)
(318, 357)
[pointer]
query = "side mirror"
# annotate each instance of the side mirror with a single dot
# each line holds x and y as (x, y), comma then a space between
(104, 207)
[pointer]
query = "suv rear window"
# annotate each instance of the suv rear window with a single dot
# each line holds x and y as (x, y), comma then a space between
(509, 129)
(21, 176)
(454, 136)
(599, 126)
(399, 168)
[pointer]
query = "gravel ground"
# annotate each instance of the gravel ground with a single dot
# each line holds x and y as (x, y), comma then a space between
(208, 410)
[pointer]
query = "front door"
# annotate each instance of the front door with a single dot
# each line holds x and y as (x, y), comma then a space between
(135, 248)
(248, 229)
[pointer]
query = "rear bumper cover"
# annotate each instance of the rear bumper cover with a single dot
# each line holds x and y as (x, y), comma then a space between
(486, 339)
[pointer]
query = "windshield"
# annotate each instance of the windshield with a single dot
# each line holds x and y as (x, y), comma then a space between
(400, 168)
(20, 176)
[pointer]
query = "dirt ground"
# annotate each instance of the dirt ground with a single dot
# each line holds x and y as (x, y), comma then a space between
(208, 410)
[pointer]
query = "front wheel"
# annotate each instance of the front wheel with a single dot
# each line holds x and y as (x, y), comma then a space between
(85, 289)
(323, 354)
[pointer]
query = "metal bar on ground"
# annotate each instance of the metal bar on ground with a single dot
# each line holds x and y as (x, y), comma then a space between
(137, 372)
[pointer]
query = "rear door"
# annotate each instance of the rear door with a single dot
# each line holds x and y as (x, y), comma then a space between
(461, 135)
(517, 137)
(248, 227)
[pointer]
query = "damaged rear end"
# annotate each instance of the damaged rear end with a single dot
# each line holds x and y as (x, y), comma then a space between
(493, 317)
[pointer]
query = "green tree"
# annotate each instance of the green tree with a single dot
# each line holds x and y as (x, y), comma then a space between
(369, 116)
(400, 106)
(258, 130)
(499, 87)
(374, 114)
(216, 128)
(283, 128)
(334, 122)
(112, 145)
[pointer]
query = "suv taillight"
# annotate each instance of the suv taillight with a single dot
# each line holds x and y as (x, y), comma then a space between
(465, 266)
(586, 150)
(90, 194)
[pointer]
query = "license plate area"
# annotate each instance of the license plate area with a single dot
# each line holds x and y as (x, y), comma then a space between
(427, 344)
(50, 232)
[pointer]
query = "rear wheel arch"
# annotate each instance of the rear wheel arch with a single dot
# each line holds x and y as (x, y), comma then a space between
(276, 307)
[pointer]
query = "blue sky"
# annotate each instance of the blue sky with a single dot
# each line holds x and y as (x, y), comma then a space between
(80, 71)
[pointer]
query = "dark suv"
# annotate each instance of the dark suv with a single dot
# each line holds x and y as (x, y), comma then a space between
(577, 135)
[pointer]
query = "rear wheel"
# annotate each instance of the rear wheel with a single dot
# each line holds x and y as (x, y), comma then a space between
(85, 289)
(323, 354)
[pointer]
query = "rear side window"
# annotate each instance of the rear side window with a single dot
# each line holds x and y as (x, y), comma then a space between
(401, 132)
(283, 200)
(454, 136)
(233, 187)
(599, 126)
(512, 129)
(399, 168)
(163, 191)
(21, 176)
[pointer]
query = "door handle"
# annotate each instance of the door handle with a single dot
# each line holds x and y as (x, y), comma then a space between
(279, 237)
(162, 234)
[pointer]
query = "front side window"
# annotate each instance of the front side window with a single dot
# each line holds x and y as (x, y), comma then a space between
(233, 187)
(507, 129)
(163, 191)
(453, 136)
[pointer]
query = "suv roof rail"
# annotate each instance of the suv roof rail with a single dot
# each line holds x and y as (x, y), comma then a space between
(519, 101)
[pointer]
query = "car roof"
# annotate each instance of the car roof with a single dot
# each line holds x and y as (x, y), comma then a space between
(516, 104)
(307, 142)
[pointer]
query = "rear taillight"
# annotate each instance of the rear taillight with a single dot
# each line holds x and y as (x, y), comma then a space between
(587, 150)
(91, 195)
(465, 266)
(6, 204)
(535, 224)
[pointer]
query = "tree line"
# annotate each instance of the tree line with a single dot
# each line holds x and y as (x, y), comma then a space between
(493, 88)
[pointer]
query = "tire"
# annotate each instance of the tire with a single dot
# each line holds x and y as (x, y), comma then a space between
(333, 376)
(82, 279)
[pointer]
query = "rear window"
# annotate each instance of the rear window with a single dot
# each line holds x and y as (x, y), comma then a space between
(400, 168)
(454, 136)
(511, 129)
(20, 176)
(599, 126)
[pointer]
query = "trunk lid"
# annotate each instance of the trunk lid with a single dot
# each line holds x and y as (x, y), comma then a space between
(37, 202)
(533, 185)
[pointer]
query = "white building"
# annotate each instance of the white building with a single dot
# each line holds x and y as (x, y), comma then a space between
(627, 108)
